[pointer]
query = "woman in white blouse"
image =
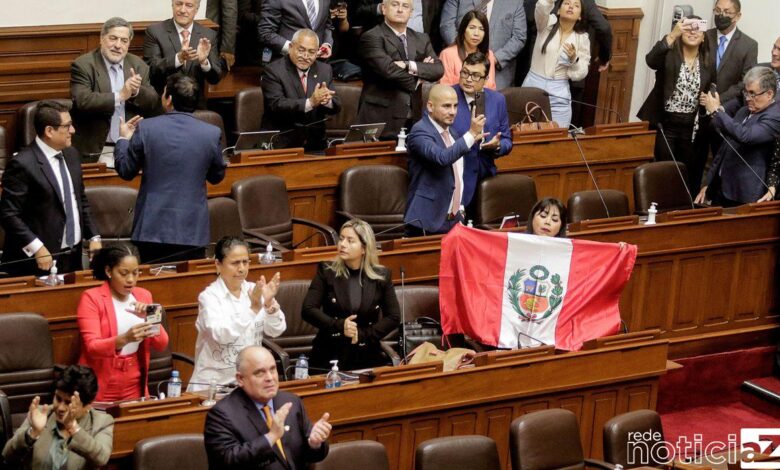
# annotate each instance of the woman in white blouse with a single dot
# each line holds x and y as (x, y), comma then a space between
(561, 53)
(232, 314)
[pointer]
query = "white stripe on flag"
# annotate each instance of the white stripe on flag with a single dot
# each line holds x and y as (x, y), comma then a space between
(531, 264)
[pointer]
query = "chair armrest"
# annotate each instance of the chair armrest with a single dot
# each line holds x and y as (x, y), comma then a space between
(177, 356)
(263, 238)
(599, 464)
(322, 228)
(5, 420)
(388, 349)
(280, 354)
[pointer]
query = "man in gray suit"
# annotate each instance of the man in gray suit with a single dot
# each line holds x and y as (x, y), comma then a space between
(280, 19)
(225, 14)
(507, 31)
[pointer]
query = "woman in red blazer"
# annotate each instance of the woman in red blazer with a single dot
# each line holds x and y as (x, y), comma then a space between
(116, 340)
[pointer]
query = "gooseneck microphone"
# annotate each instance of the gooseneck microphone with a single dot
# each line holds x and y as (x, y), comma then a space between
(390, 229)
(297, 126)
(676, 165)
(761, 180)
(619, 117)
(403, 316)
(573, 133)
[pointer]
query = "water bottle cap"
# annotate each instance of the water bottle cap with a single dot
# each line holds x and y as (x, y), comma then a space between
(175, 373)
(269, 248)
(53, 269)
(335, 364)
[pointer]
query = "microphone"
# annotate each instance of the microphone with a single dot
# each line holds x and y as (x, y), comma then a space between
(676, 165)
(297, 126)
(619, 117)
(32, 258)
(399, 226)
(590, 172)
(514, 215)
(763, 183)
(402, 346)
(520, 333)
(316, 232)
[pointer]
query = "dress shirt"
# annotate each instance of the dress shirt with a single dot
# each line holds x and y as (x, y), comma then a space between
(226, 325)
(728, 40)
(119, 105)
(31, 248)
(458, 165)
(176, 62)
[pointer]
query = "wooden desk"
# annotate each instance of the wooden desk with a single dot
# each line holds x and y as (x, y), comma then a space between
(401, 413)
(238, 79)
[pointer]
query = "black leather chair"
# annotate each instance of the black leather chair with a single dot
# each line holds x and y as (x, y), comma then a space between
(171, 452)
(381, 205)
(264, 209)
(213, 118)
(249, 110)
(338, 124)
(111, 208)
(616, 442)
(4, 154)
(25, 125)
(416, 301)
(660, 182)
(298, 336)
(502, 195)
(6, 424)
(367, 455)
(457, 452)
(548, 440)
(518, 97)
(586, 205)
(224, 221)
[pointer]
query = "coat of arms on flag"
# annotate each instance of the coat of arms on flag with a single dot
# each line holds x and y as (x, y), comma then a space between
(536, 295)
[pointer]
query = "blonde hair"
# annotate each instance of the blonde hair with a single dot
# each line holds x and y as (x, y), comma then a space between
(370, 263)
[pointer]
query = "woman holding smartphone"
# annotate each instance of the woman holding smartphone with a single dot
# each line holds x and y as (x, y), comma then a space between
(116, 339)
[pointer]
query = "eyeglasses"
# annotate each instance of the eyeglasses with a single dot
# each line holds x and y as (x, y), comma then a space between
(729, 13)
(67, 125)
(471, 76)
(749, 95)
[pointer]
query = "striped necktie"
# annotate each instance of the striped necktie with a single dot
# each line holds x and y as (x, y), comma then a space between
(311, 12)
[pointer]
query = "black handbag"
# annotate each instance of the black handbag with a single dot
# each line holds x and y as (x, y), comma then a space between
(419, 331)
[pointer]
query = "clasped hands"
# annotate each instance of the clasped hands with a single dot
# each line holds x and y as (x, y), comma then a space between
(319, 432)
(264, 292)
(132, 86)
(321, 95)
(201, 54)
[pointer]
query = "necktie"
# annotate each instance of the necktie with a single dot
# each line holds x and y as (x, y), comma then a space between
(303, 83)
(269, 421)
(117, 83)
(311, 12)
(721, 49)
(402, 36)
(445, 135)
(67, 201)
(483, 6)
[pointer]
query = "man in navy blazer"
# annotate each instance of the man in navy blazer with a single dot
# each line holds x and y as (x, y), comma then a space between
(237, 434)
(474, 98)
(436, 155)
(178, 153)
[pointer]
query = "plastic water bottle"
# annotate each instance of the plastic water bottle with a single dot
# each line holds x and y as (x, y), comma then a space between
(52, 279)
(333, 380)
(268, 256)
(470, 224)
(302, 368)
(174, 385)
(401, 147)
(651, 213)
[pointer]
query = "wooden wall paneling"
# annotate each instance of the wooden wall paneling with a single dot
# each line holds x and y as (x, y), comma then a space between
(461, 423)
(718, 279)
(657, 307)
(639, 397)
(689, 304)
(603, 406)
(390, 436)
(66, 342)
(615, 85)
(495, 423)
(752, 293)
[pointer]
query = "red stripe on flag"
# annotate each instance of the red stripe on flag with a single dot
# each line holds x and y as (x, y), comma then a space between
(471, 277)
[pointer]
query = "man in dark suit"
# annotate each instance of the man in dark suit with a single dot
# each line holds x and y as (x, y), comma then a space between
(180, 45)
(108, 84)
(774, 64)
(395, 60)
(297, 96)
(260, 427)
(280, 19)
(178, 154)
(436, 165)
(475, 99)
(735, 52)
(225, 14)
(247, 50)
(426, 15)
(38, 221)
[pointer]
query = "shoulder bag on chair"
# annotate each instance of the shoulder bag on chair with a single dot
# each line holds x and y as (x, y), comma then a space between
(529, 123)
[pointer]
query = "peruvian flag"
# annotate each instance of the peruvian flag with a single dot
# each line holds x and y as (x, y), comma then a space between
(515, 290)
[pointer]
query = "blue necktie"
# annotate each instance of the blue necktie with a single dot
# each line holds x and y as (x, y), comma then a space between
(67, 201)
(117, 82)
(721, 50)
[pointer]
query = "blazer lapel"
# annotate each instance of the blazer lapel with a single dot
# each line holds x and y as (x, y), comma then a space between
(278, 402)
(48, 172)
(341, 289)
(369, 287)
(731, 46)
(103, 79)
(173, 36)
(108, 307)
(396, 41)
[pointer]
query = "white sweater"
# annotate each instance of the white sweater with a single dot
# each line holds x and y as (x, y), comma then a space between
(548, 65)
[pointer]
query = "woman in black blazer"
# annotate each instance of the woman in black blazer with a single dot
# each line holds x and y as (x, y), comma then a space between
(352, 302)
(684, 70)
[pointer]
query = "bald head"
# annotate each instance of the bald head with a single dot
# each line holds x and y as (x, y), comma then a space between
(256, 373)
(251, 352)
(442, 105)
(776, 55)
(440, 93)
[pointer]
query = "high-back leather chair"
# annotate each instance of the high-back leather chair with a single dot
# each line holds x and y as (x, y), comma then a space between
(223, 218)
(249, 109)
(299, 335)
(26, 362)
(161, 364)
(503, 195)
(265, 211)
(111, 208)
(518, 97)
(171, 452)
(6, 424)
(461, 452)
(4, 153)
(213, 118)
(586, 205)
(381, 205)
(416, 301)
(547, 440)
(338, 124)
(26, 125)
(616, 442)
(660, 182)
(355, 454)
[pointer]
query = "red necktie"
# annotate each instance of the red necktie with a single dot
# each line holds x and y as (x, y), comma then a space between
(455, 194)
(303, 82)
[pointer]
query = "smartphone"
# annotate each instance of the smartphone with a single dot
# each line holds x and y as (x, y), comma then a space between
(696, 25)
(154, 317)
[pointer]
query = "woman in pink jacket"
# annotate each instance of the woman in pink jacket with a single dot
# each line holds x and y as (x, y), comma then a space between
(473, 36)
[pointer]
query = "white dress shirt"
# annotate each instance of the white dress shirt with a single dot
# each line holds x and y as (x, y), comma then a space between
(226, 325)
(126, 320)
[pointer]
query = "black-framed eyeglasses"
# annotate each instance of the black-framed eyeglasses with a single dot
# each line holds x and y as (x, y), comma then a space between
(471, 76)
(729, 13)
(749, 95)
(66, 125)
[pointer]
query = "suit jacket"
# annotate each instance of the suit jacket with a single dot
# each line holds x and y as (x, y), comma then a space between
(178, 154)
(235, 430)
(93, 100)
(225, 14)
(431, 181)
(364, 13)
(755, 139)
(88, 449)
(97, 328)
(479, 164)
(162, 43)
(31, 206)
(247, 50)
(389, 93)
(285, 103)
(280, 19)
(666, 61)
(741, 55)
(326, 306)
(507, 32)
